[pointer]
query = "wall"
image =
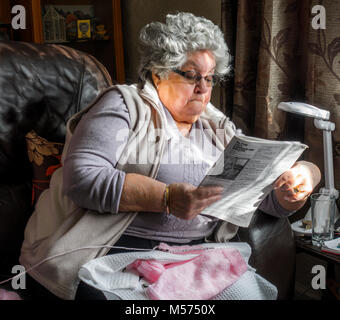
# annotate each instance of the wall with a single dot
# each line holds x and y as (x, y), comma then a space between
(137, 13)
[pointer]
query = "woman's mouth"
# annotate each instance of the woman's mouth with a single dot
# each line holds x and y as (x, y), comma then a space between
(198, 100)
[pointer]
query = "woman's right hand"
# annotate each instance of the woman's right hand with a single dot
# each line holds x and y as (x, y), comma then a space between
(187, 201)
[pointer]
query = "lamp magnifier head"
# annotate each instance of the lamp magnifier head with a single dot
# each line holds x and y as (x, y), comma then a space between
(304, 109)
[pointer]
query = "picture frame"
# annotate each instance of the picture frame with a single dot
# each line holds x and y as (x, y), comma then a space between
(84, 29)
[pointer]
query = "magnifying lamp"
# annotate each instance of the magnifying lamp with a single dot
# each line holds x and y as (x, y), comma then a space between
(321, 121)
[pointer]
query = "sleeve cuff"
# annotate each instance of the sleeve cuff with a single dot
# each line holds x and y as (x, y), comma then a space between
(271, 206)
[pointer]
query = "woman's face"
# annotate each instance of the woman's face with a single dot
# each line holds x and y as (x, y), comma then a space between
(187, 101)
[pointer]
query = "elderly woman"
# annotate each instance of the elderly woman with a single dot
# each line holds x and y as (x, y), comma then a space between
(133, 161)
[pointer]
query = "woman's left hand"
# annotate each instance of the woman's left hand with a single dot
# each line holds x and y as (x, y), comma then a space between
(295, 185)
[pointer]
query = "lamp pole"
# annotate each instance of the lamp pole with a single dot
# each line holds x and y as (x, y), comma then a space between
(327, 127)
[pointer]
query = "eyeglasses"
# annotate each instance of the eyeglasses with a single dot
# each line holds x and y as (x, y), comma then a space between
(195, 78)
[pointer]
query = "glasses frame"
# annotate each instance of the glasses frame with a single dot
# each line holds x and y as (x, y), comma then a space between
(197, 78)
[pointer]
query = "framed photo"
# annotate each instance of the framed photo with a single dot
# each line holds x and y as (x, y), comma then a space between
(84, 29)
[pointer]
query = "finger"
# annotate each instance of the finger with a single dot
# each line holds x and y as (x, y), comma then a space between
(283, 179)
(302, 195)
(299, 188)
(290, 175)
(210, 201)
(200, 205)
(208, 191)
(297, 196)
(292, 183)
(292, 190)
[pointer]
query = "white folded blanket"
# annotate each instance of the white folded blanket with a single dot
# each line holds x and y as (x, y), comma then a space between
(109, 274)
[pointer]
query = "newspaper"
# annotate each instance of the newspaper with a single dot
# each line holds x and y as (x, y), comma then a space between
(246, 170)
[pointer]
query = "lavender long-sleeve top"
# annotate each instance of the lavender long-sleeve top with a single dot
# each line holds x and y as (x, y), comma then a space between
(92, 181)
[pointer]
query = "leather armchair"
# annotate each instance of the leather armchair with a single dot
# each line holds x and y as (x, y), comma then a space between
(41, 86)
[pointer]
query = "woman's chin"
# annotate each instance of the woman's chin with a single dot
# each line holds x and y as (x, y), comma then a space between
(191, 118)
(195, 108)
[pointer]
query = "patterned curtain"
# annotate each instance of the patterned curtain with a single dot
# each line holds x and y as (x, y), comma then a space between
(279, 56)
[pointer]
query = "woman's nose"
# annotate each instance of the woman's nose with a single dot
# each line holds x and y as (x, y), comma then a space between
(201, 87)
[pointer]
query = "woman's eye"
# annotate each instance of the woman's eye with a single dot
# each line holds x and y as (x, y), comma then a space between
(190, 75)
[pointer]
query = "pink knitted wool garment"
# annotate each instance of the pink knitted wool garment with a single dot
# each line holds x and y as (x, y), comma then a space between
(8, 295)
(200, 278)
(149, 269)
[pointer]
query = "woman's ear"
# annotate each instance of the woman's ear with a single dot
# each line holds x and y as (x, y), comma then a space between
(156, 79)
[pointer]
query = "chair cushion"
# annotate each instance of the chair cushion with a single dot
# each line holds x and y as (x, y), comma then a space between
(45, 157)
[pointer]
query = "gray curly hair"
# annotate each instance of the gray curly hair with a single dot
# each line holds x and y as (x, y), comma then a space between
(164, 46)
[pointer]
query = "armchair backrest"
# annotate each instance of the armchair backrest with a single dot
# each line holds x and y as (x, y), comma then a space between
(41, 86)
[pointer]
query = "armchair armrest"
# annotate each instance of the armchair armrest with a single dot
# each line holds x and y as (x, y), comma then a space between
(15, 209)
(273, 251)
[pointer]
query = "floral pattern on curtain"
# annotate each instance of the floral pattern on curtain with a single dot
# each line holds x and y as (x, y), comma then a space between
(278, 56)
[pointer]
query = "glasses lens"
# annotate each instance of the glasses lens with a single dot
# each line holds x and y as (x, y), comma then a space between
(191, 77)
(195, 78)
(211, 80)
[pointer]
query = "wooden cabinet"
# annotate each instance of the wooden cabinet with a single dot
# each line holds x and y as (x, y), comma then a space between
(109, 52)
(5, 16)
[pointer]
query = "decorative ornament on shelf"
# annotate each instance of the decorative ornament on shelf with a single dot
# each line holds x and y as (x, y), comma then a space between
(54, 25)
(101, 33)
(71, 27)
(84, 29)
